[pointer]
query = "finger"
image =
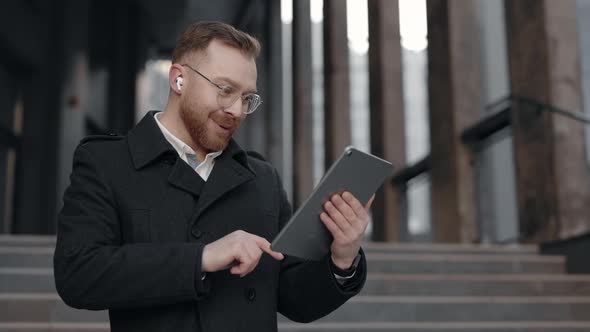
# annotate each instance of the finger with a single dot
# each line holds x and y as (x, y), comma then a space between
(336, 232)
(254, 251)
(232, 264)
(354, 204)
(255, 254)
(369, 203)
(240, 263)
(276, 255)
(244, 269)
(260, 241)
(265, 246)
(344, 208)
(362, 214)
(244, 258)
(236, 269)
(338, 218)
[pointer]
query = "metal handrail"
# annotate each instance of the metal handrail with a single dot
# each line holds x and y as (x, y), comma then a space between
(408, 173)
(575, 115)
(488, 126)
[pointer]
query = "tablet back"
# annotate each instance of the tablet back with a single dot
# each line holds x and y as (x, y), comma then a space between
(355, 171)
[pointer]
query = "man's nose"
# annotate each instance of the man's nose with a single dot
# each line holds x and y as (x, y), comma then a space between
(235, 109)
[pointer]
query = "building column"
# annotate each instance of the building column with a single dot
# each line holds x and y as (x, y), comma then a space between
(386, 111)
(275, 141)
(302, 103)
(454, 103)
(551, 168)
(336, 81)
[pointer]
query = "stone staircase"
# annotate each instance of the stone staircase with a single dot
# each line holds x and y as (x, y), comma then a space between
(410, 287)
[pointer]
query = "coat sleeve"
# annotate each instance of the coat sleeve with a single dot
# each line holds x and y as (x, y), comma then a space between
(94, 270)
(308, 290)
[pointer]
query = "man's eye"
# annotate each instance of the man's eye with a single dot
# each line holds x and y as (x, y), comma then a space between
(226, 90)
(247, 99)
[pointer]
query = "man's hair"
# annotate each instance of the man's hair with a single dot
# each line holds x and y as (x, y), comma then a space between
(197, 36)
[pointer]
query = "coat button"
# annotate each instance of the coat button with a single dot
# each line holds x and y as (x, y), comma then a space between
(251, 294)
(196, 233)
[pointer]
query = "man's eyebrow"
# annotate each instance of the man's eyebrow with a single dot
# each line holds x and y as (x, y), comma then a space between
(235, 84)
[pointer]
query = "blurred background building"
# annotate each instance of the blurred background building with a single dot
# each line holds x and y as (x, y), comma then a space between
(481, 105)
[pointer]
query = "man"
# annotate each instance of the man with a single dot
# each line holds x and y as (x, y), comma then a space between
(168, 227)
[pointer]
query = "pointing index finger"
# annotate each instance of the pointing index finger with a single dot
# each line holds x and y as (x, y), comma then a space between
(265, 246)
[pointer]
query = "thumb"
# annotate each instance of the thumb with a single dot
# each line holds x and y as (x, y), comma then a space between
(369, 203)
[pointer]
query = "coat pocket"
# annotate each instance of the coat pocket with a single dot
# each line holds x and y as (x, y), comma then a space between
(140, 225)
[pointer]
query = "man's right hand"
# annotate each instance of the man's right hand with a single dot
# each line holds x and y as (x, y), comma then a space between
(239, 250)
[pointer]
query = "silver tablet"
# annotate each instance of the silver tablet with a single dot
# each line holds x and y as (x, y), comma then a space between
(355, 171)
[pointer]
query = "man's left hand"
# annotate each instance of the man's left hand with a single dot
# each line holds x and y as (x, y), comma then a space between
(346, 218)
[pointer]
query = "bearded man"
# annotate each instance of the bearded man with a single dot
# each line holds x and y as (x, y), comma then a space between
(169, 227)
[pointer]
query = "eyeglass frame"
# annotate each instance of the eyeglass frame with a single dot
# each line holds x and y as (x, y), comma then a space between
(256, 97)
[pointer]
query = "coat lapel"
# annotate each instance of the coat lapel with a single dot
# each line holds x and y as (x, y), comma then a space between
(147, 143)
(231, 170)
(185, 178)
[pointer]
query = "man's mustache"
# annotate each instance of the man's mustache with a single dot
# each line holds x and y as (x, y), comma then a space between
(225, 120)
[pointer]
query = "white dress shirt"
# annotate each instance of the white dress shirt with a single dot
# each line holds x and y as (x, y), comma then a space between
(204, 167)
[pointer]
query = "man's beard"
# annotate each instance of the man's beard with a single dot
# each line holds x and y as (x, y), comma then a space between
(195, 120)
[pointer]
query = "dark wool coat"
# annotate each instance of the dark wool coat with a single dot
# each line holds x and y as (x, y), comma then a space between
(132, 230)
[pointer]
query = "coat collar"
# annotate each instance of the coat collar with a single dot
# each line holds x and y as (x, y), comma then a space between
(147, 143)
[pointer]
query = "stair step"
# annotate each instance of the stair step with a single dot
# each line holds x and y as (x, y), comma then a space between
(410, 287)
(39, 257)
(477, 284)
(335, 327)
(41, 280)
(26, 280)
(464, 263)
(443, 326)
(368, 246)
(54, 327)
(448, 248)
(45, 307)
(27, 240)
(461, 309)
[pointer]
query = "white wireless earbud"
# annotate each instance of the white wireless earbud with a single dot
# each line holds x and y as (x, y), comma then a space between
(179, 83)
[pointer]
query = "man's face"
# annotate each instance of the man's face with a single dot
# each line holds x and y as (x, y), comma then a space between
(210, 125)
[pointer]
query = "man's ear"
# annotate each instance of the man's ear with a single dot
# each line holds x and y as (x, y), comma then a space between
(175, 80)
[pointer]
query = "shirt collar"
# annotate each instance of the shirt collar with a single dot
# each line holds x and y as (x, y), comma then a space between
(182, 148)
(147, 143)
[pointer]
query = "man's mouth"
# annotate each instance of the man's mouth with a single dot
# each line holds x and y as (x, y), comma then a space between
(224, 123)
(224, 127)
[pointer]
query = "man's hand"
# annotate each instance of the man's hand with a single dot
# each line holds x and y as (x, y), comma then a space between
(239, 251)
(346, 218)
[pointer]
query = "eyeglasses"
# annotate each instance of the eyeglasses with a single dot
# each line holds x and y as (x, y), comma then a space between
(227, 95)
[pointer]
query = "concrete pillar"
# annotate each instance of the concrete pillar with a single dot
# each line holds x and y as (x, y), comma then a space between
(386, 110)
(496, 192)
(302, 103)
(454, 99)
(336, 81)
(274, 98)
(551, 167)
